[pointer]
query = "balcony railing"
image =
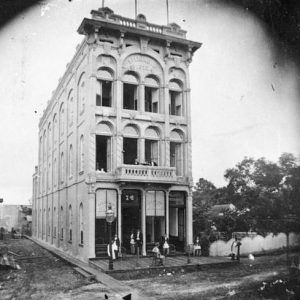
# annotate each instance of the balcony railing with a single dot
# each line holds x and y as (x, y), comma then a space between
(140, 173)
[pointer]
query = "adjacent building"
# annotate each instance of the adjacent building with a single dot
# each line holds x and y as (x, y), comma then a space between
(117, 131)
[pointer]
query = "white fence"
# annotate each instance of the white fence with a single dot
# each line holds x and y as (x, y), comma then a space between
(255, 244)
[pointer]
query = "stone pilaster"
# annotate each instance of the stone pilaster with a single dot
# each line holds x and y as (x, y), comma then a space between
(189, 218)
(143, 229)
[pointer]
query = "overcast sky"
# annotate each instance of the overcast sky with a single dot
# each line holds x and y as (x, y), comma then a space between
(244, 103)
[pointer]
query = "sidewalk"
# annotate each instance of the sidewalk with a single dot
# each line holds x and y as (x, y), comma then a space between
(116, 286)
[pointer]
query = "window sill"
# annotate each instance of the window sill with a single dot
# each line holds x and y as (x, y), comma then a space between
(80, 245)
(69, 242)
(81, 172)
(61, 239)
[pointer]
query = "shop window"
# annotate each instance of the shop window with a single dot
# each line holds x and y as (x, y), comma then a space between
(155, 215)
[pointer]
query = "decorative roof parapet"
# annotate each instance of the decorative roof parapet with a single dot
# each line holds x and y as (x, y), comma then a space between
(107, 15)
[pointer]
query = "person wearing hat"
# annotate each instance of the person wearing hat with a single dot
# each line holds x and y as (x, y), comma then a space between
(157, 253)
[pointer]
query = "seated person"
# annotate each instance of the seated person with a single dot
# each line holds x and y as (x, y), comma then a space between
(156, 252)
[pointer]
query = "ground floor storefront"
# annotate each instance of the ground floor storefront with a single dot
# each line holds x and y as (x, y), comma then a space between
(73, 219)
(154, 210)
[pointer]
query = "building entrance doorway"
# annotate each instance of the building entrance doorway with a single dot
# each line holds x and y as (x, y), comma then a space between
(101, 231)
(131, 215)
(177, 220)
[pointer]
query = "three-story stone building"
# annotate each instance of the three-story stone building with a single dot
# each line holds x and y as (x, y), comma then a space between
(117, 131)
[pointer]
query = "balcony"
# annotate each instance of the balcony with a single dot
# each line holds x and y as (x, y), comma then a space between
(140, 173)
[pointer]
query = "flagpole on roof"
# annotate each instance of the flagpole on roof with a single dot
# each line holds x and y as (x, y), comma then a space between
(167, 2)
(102, 3)
(135, 6)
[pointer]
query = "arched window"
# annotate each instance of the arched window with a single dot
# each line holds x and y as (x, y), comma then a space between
(71, 109)
(71, 161)
(152, 146)
(49, 140)
(130, 91)
(81, 223)
(130, 145)
(48, 221)
(61, 223)
(54, 218)
(62, 168)
(49, 176)
(103, 147)
(176, 98)
(61, 119)
(81, 93)
(44, 148)
(54, 172)
(55, 128)
(81, 153)
(70, 223)
(176, 151)
(104, 88)
(151, 94)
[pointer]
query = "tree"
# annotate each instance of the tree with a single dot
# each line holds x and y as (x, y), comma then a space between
(203, 198)
(268, 189)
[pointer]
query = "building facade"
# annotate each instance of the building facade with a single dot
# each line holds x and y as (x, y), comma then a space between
(117, 131)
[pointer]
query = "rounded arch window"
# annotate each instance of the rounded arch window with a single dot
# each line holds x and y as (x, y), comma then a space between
(176, 105)
(130, 91)
(104, 87)
(81, 93)
(104, 128)
(70, 108)
(152, 95)
(130, 144)
(152, 146)
(152, 133)
(131, 131)
(176, 136)
(61, 119)
(176, 151)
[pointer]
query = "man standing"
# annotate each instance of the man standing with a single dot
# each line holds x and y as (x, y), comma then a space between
(139, 240)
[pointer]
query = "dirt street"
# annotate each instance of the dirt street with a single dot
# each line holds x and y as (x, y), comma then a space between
(44, 276)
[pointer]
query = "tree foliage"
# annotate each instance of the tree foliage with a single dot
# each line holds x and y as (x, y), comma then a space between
(266, 196)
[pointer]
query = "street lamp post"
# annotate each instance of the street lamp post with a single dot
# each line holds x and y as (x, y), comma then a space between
(110, 216)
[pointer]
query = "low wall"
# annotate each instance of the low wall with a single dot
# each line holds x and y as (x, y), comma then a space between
(255, 244)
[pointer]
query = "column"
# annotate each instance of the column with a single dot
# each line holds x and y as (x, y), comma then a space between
(189, 218)
(167, 213)
(166, 152)
(118, 158)
(141, 150)
(144, 222)
(91, 224)
(141, 106)
(120, 217)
